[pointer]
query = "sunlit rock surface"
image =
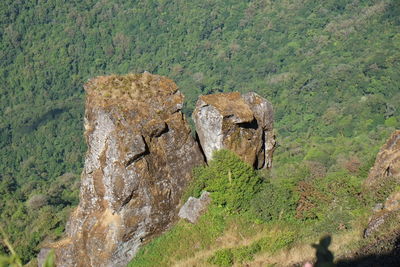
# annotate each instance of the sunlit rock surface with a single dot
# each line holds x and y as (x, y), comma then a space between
(386, 167)
(195, 207)
(387, 163)
(139, 159)
(241, 123)
(379, 217)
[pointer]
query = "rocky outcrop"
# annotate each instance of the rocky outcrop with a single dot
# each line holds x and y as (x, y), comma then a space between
(195, 207)
(139, 160)
(392, 204)
(241, 123)
(386, 170)
(42, 256)
(387, 163)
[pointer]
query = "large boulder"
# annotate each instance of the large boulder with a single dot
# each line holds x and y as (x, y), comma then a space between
(139, 160)
(241, 123)
(381, 213)
(195, 207)
(387, 163)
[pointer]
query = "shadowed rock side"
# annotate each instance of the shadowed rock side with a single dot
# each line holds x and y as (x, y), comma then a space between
(387, 162)
(241, 123)
(139, 160)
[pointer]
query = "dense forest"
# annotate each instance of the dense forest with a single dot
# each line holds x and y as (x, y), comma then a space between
(330, 69)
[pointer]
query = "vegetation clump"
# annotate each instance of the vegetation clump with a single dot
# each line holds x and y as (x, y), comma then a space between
(231, 182)
(276, 201)
(223, 258)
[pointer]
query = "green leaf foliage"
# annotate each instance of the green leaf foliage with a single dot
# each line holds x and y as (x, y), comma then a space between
(276, 201)
(231, 182)
(222, 258)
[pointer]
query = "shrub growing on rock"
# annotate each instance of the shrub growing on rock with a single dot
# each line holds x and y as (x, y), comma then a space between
(231, 182)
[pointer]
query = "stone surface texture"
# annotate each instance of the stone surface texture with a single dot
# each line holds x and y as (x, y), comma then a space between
(195, 207)
(41, 258)
(139, 160)
(387, 162)
(387, 165)
(241, 123)
(391, 205)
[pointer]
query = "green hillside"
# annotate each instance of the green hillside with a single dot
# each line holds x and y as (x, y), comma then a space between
(330, 68)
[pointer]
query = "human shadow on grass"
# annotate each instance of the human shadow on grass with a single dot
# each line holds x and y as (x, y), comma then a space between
(323, 254)
(325, 257)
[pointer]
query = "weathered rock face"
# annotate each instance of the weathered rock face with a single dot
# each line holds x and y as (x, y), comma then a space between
(386, 168)
(241, 123)
(387, 162)
(391, 205)
(139, 160)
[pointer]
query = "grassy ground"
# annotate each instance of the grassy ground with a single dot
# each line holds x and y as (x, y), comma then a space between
(235, 240)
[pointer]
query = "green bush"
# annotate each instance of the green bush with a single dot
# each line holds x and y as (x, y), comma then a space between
(276, 241)
(231, 182)
(332, 200)
(276, 201)
(337, 219)
(391, 122)
(246, 253)
(223, 258)
(340, 190)
(319, 155)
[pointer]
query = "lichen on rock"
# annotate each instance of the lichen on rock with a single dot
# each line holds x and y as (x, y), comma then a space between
(139, 160)
(240, 123)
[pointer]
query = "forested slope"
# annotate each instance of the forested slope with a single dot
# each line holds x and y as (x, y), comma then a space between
(330, 68)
